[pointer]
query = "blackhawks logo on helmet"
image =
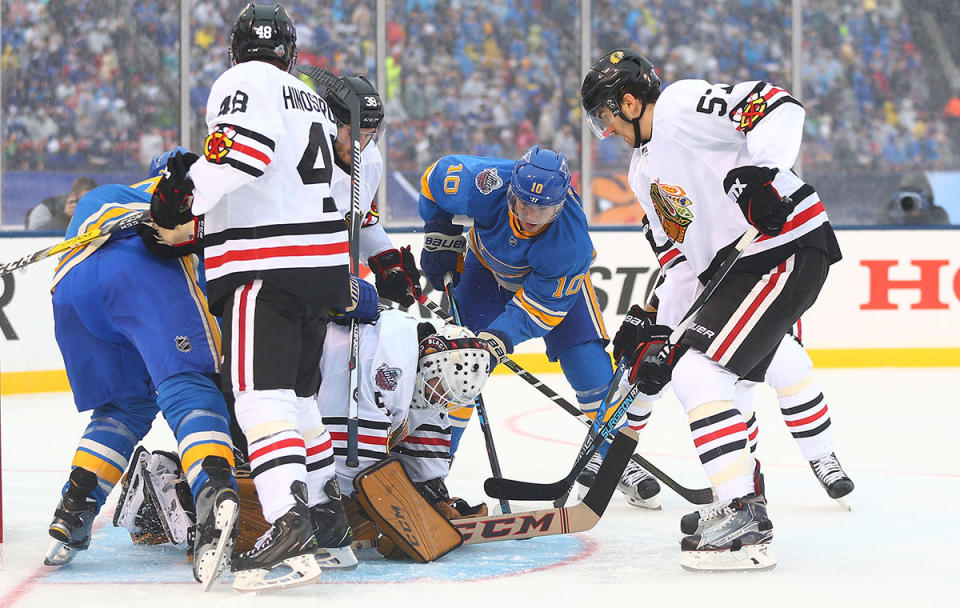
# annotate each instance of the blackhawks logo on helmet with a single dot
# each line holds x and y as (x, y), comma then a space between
(673, 207)
(387, 377)
(488, 180)
(219, 143)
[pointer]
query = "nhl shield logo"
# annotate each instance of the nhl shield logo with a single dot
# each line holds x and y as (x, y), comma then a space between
(488, 180)
(183, 344)
(387, 377)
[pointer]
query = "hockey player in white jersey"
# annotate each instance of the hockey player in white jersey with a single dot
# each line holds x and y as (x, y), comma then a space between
(802, 404)
(276, 257)
(395, 270)
(701, 151)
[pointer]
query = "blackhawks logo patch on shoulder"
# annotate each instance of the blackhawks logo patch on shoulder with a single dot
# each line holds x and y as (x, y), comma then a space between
(488, 180)
(387, 377)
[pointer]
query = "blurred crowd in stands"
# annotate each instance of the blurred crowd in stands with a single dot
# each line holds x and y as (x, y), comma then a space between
(86, 82)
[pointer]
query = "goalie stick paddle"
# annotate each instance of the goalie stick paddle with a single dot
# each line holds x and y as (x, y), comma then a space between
(527, 490)
(480, 406)
(128, 221)
(697, 496)
(549, 522)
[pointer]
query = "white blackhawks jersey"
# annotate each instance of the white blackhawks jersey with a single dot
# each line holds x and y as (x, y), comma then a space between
(373, 238)
(387, 368)
(700, 132)
(263, 184)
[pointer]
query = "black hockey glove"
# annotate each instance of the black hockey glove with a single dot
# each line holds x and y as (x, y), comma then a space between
(173, 196)
(443, 249)
(628, 336)
(752, 188)
(649, 371)
(397, 276)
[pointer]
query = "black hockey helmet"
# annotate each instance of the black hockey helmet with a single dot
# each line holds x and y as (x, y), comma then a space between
(616, 73)
(337, 92)
(264, 32)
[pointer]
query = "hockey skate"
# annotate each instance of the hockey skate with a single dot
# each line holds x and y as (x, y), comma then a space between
(833, 478)
(692, 522)
(73, 519)
(638, 487)
(332, 531)
(290, 542)
(736, 539)
(218, 507)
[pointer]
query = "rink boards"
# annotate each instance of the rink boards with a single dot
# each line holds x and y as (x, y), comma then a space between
(892, 301)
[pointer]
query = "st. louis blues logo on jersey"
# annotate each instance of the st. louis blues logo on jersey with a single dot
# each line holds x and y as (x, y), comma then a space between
(387, 377)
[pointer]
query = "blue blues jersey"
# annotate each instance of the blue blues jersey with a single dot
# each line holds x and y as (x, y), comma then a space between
(546, 269)
(99, 208)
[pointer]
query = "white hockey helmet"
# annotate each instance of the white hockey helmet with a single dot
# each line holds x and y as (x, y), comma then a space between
(452, 369)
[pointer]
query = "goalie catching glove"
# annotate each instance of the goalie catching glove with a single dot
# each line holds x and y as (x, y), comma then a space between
(752, 189)
(173, 196)
(397, 276)
(651, 372)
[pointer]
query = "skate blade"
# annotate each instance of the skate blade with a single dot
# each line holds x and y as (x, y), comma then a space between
(305, 570)
(652, 503)
(582, 491)
(59, 554)
(751, 557)
(211, 564)
(843, 502)
(341, 558)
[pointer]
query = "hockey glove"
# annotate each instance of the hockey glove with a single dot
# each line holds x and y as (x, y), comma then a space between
(650, 371)
(752, 188)
(173, 196)
(363, 303)
(397, 276)
(443, 249)
(498, 343)
(159, 247)
(628, 336)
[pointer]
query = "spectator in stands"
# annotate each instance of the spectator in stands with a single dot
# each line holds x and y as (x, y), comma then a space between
(55, 212)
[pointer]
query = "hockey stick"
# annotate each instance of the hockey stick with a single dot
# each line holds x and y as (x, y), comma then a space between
(549, 522)
(127, 221)
(356, 151)
(601, 413)
(528, 490)
(480, 407)
(699, 496)
(520, 490)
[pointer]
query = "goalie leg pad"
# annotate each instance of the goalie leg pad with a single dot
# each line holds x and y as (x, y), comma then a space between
(250, 523)
(403, 515)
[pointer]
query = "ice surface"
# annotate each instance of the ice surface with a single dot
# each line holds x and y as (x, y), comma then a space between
(895, 432)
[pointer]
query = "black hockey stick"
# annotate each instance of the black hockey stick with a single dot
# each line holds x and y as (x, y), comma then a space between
(700, 496)
(480, 407)
(528, 490)
(356, 151)
(601, 412)
(549, 522)
(127, 221)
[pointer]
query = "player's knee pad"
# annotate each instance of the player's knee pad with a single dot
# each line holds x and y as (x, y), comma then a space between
(264, 413)
(697, 380)
(790, 368)
(744, 392)
(587, 367)
(108, 442)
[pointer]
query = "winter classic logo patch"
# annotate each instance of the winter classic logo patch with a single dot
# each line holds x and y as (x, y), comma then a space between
(387, 377)
(488, 180)
(674, 209)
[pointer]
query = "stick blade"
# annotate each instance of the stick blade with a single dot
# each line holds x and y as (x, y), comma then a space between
(512, 489)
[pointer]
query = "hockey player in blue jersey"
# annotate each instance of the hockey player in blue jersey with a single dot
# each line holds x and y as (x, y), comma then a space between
(137, 339)
(526, 274)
